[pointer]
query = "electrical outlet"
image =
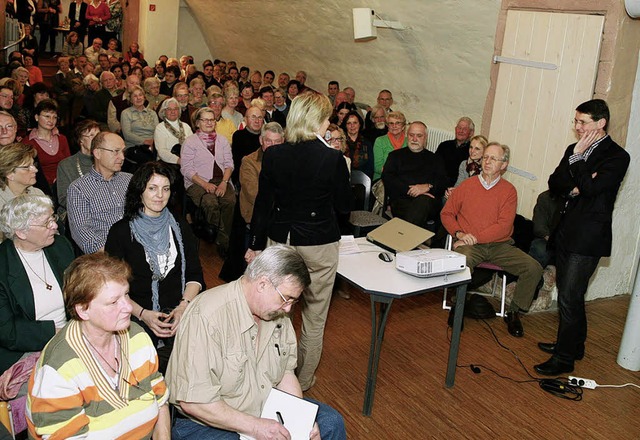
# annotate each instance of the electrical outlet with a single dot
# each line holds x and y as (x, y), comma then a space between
(582, 382)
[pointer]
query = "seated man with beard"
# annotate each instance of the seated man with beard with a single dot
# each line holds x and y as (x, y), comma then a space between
(414, 180)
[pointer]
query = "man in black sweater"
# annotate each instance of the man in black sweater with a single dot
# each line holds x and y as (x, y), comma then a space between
(414, 179)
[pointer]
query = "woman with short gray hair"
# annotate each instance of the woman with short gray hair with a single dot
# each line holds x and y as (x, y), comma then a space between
(170, 132)
(152, 93)
(32, 262)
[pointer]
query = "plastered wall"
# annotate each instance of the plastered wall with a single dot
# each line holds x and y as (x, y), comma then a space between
(438, 69)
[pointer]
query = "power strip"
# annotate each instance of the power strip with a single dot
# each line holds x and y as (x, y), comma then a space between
(582, 382)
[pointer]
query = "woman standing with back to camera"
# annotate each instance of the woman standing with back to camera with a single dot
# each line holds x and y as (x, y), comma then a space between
(303, 185)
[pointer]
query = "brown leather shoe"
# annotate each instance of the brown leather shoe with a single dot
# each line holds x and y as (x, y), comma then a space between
(513, 324)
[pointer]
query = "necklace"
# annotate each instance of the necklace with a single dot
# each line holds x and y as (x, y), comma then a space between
(78, 166)
(114, 383)
(44, 270)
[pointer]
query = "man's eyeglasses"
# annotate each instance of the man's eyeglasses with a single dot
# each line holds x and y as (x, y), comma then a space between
(583, 123)
(6, 96)
(492, 159)
(8, 127)
(114, 152)
(51, 223)
(285, 301)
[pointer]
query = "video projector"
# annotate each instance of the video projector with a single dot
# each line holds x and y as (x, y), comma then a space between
(425, 263)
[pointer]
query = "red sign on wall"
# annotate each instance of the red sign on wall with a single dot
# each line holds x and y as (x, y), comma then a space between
(152, 8)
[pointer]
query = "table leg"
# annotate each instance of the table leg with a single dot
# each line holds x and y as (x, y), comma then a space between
(377, 335)
(461, 292)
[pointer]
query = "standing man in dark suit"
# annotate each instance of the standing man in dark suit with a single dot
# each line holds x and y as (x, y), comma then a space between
(302, 187)
(77, 18)
(588, 177)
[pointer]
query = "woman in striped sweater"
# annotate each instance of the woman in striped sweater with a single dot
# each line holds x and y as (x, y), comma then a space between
(98, 376)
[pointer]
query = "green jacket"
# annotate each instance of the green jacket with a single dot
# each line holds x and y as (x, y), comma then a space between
(19, 330)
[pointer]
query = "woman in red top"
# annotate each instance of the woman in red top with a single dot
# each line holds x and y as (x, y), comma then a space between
(97, 13)
(134, 52)
(52, 147)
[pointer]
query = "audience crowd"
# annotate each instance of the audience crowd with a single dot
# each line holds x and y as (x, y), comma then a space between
(118, 153)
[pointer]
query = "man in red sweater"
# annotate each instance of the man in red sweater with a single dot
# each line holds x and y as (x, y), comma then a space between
(479, 215)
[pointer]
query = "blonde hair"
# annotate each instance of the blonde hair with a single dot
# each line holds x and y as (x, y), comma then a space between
(483, 140)
(14, 155)
(307, 113)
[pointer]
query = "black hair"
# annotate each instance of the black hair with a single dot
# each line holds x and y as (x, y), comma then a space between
(46, 105)
(271, 72)
(597, 109)
(334, 83)
(138, 184)
(30, 94)
(265, 89)
(244, 69)
(346, 118)
(175, 70)
(296, 83)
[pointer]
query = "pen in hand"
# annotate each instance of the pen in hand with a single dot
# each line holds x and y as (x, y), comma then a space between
(280, 419)
(278, 348)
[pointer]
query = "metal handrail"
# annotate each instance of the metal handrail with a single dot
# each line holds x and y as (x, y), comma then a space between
(19, 40)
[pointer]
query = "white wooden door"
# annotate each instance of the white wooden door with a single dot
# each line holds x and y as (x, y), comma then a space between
(534, 106)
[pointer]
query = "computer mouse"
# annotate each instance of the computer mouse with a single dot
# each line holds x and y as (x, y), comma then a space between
(386, 257)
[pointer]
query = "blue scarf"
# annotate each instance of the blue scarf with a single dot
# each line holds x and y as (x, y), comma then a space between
(153, 234)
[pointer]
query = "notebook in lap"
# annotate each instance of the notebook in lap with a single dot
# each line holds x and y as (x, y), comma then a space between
(398, 235)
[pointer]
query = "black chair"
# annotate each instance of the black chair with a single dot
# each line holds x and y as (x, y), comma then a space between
(363, 218)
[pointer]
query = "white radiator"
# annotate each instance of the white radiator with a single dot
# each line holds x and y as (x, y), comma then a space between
(437, 135)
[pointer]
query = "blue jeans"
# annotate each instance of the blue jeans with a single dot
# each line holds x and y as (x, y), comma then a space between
(329, 421)
(573, 272)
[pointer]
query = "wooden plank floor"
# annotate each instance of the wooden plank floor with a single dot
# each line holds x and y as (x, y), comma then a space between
(411, 401)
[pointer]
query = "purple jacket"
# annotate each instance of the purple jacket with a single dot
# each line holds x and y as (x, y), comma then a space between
(196, 159)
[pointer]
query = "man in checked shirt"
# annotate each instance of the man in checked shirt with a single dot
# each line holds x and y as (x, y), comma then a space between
(95, 201)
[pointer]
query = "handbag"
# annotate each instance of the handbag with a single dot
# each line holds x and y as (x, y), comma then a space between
(138, 155)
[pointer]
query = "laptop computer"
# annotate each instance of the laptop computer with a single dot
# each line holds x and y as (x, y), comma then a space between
(398, 235)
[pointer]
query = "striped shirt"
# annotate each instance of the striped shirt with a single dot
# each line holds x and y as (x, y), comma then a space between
(94, 205)
(584, 156)
(69, 396)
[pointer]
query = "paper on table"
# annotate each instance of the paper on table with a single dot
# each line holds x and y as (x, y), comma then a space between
(297, 414)
(348, 245)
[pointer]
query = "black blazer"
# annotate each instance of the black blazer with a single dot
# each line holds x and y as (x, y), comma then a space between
(82, 30)
(121, 244)
(19, 330)
(301, 189)
(585, 227)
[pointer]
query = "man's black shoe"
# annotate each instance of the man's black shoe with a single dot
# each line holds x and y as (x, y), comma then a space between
(550, 347)
(513, 324)
(553, 367)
